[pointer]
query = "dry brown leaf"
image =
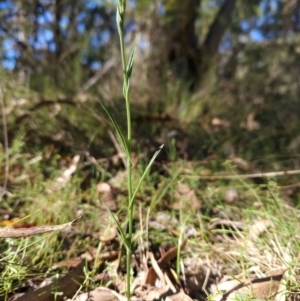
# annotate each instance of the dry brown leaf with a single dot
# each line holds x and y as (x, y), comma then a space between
(266, 290)
(180, 296)
(100, 294)
(103, 256)
(294, 144)
(205, 172)
(240, 163)
(257, 228)
(68, 263)
(251, 123)
(9, 232)
(151, 293)
(259, 288)
(223, 286)
(118, 179)
(157, 272)
(65, 176)
(198, 275)
(171, 254)
(215, 222)
(108, 195)
(219, 122)
(170, 275)
(289, 283)
(166, 258)
(67, 284)
(108, 228)
(163, 221)
(186, 198)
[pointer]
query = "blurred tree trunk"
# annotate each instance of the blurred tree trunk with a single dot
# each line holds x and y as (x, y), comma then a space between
(182, 48)
(210, 47)
(178, 45)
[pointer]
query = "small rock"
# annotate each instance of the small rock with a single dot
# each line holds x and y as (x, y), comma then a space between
(231, 196)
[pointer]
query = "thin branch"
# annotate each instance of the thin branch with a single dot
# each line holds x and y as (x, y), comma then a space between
(247, 176)
(218, 28)
(100, 73)
(44, 103)
(5, 140)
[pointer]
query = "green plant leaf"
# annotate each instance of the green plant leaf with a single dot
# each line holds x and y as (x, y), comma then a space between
(128, 72)
(130, 64)
(125, 88)
(119, 21)
(144, 175)
(118, 130)
(122, 6)
(122, 233)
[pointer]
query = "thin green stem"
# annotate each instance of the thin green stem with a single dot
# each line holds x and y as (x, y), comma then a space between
(123, 55)
(130, 225)
(128, 114)
(128, 254)
(120, 19)
(126, 94)
(127, 69)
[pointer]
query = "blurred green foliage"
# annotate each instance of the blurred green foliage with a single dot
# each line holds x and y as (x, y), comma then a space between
(234, 90)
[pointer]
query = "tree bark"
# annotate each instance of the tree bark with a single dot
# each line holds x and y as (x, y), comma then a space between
(210, 47)
(179, 47)
(182, 39)
(218, 28)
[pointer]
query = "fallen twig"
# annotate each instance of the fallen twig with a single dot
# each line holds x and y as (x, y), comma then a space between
(247, 176)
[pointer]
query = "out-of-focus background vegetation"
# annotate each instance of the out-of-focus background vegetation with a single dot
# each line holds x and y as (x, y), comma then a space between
(211, 78)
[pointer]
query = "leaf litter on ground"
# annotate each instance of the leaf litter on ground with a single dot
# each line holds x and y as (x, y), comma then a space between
(227, 243)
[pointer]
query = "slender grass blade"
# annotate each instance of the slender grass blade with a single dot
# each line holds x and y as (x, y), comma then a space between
(144, 175)
(118, 130)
